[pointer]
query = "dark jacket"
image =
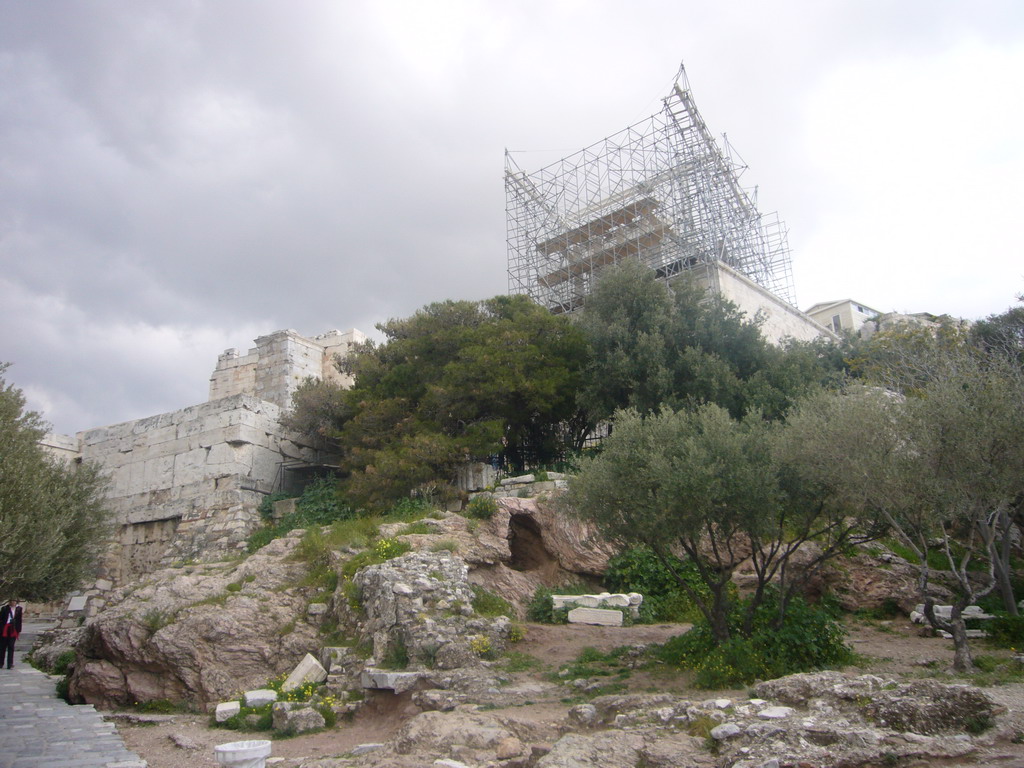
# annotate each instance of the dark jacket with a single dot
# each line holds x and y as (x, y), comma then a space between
(5, 611)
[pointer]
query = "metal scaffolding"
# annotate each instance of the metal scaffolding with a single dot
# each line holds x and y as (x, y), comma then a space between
(661, 191)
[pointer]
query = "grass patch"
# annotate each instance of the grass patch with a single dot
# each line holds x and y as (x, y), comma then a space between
(521, 662)
(160, 707)
(62, 662)
(418, 527)
(155, 619)
(591, 662)
(489, 605)
(445, 545)
(481, 507)
(993, 670)
(220, 599)
(396, 656)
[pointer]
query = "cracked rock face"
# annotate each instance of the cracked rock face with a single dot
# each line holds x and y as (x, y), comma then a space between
(814, 719)
(422, 602)
(183, 635)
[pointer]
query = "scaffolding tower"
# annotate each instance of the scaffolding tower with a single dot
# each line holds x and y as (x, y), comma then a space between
(660, 191)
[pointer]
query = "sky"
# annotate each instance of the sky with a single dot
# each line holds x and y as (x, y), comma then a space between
(178, 178)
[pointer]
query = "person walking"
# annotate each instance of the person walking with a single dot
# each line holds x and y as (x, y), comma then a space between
(10, 628)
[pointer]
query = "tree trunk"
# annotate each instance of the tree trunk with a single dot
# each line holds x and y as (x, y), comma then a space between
(720, 613)
(963, 660)
(1001, 560)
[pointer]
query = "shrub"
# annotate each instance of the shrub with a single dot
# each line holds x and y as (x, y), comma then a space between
(410, 509)
(266, 508)
(639, 570)
(62, 662)
(482, 647)
(320, 504)
(809, 638)
(154, 620)
(386, 549)
(541, 608)
(489, 605)
(1006, 631)
(481, 507)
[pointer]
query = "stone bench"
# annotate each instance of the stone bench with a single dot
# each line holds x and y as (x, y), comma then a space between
(946, 611)
(598, 608)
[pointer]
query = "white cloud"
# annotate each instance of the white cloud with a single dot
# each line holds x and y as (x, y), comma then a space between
(917, 163)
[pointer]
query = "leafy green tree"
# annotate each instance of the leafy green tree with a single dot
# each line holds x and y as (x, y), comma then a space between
(943, 465)
(457, 380)
(1002, 333)
(655, 346)
(709, 486)
(52, 521)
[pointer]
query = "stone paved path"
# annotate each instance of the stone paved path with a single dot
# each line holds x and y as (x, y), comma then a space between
(39, 730)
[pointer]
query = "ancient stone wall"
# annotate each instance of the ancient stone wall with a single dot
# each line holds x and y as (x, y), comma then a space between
(188, 483)
(279, 363)
(780, 319)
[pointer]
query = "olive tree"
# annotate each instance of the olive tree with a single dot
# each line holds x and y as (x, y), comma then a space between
(711, 487)
(942, 466)
(52, 520)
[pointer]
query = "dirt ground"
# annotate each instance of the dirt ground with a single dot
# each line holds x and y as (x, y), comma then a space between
(887, 648)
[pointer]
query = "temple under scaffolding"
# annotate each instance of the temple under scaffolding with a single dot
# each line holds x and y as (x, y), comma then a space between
(662, 192)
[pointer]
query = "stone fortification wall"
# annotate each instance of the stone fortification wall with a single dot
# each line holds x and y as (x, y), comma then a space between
(188, 483)
(279, 363)
(781, 320)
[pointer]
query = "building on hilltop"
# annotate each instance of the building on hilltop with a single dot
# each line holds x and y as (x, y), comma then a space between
(842, 316)
(661, 192)
(189, 483)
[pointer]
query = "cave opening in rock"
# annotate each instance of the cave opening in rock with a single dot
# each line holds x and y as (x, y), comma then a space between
(527, 545)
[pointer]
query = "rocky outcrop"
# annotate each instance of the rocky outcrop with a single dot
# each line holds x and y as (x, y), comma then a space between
(811, 719)
(919, 706)
(197, 634)
(420, 606)
(873, 581)
(529, 542)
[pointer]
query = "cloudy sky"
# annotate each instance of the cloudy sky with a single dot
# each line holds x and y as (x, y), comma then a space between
(180, 177)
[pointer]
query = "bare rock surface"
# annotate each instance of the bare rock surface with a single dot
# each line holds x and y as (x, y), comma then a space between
(183, 635)
(421, 603)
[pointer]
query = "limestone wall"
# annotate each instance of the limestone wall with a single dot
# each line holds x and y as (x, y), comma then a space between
(279, 363)
(63, 447)
(234, 375)
(188, 483)
(781, 320)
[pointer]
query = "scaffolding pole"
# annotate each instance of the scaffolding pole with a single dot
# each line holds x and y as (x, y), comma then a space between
(661, 192)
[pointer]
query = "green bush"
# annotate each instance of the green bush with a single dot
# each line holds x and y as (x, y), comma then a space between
(541, 608)
(1005, 631)
(489, 605)
(410, 509)
(386, 549)
(396, 656)
(62, 662)
(481, 507)
(320, 504)
(809, 638)
(639, 570)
